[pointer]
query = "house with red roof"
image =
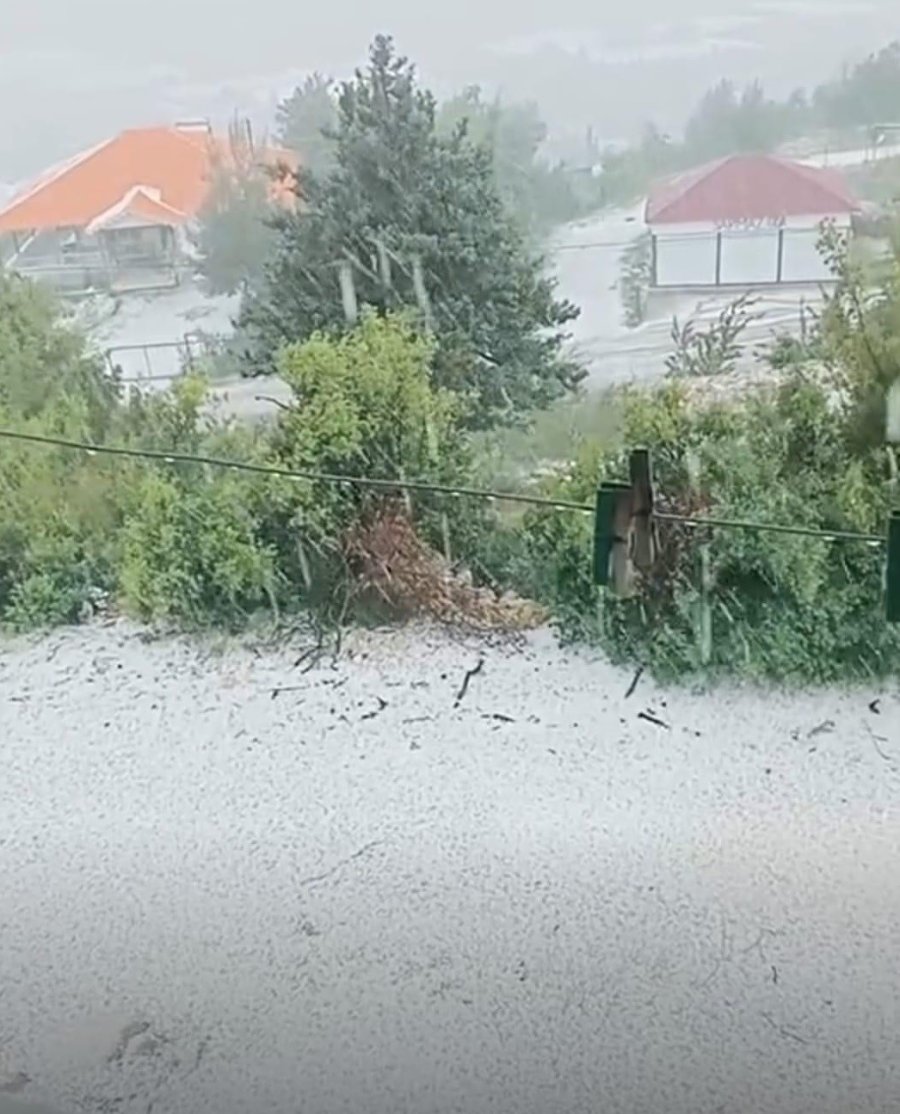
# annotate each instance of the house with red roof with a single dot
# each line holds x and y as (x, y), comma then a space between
(744, 222)
(119, 215)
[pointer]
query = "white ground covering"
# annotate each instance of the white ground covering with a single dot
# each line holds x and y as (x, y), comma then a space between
(587, 265)
(362, 894)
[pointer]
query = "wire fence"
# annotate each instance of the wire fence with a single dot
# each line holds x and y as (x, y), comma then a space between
(720, 589)
(780, 602)
(160, 362)
(400, 484)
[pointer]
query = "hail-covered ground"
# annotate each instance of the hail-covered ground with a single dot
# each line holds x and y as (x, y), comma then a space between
(438, 875)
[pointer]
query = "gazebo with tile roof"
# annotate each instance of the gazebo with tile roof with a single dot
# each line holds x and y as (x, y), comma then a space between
(744, 221)
(127, 202)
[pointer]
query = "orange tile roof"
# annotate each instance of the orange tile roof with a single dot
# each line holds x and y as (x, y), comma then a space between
(140, 203)
(175, 163)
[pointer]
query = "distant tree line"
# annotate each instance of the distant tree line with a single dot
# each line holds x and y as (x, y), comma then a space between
(731, 120)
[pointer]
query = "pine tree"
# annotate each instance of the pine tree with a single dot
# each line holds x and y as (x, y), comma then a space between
(414, 219)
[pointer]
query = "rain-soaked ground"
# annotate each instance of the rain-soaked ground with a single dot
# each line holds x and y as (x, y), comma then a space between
(438, 876)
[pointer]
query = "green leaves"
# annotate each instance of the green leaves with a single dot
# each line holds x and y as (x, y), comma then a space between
(191, 554)
(365, 404)
(536, 193)
(783, 607)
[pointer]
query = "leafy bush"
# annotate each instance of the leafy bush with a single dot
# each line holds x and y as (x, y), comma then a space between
(712, 351)
(785, 607)
(191, 554)
(76, 529)
(194, 545)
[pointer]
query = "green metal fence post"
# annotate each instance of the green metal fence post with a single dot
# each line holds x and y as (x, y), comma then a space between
(892, 580)
(607, 529)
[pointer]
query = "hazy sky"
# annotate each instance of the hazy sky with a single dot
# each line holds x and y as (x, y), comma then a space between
(207, 36)
(71, 70)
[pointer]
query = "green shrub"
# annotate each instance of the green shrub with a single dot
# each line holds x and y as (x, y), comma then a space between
(782, 606)
(191, 554)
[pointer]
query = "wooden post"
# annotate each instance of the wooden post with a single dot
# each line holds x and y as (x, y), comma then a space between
(421, 292)
(892, 575)
(622, 567)
(612, 538)
(625, 539)
(348, 291)
(703, 632)
(384, 266)
(445, 535)
(644, 541)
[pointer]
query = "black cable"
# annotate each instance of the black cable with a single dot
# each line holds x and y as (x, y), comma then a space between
(294, 474)
(424, 486)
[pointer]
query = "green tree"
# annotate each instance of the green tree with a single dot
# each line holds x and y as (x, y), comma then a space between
(538, 193)
(56, 522)
(867, 94)
(413, 219)
(365, 403)
(44, 365)
(729, 121)
(860, 339)
(306, 122)
(234, 237)
(710, 127)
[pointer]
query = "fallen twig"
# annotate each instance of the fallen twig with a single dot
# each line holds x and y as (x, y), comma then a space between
(464, 687)
(650, 718)
(783, 1030)
(311, 652)
(275, 402)
(823, 728)
(382, 704)
(276, 692)
(876, 739)
(314, 878)
(634, 682)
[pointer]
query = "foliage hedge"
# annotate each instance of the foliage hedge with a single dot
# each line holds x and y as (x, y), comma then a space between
(784, 607)
(192, 545)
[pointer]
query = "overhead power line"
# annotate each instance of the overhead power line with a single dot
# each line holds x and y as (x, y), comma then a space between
(340, 479)
(377, 483)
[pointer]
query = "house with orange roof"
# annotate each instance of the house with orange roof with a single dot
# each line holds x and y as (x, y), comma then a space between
(119, 215)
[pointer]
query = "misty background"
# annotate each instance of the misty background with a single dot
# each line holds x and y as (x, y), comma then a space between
(72, 74)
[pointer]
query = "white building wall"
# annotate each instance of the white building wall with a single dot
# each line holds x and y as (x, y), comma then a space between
(802, 261)
(749, 257)
(688, 260)
(686, 254)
